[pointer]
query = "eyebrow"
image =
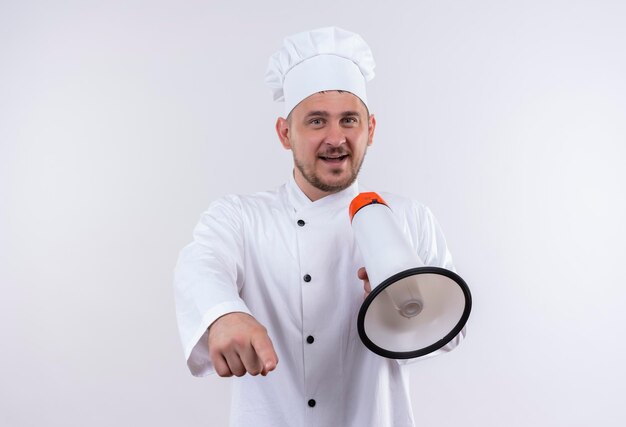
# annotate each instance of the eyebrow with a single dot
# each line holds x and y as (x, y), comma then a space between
(320, 113)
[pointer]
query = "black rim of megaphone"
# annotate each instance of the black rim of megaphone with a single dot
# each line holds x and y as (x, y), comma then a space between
(426, 350)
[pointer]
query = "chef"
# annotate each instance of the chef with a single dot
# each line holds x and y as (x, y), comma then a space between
(270, 288)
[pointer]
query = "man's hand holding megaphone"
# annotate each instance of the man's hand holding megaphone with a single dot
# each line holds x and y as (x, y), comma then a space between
(362, 274)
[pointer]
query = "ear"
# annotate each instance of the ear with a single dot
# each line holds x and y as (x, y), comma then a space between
(282, 130)
(371, 126)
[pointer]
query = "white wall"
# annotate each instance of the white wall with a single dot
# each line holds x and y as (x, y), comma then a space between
(121, 121)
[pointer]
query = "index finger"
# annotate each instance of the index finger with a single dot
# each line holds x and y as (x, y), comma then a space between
(265, 351)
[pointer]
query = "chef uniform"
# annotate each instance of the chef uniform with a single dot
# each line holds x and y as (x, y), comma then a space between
(292, 264)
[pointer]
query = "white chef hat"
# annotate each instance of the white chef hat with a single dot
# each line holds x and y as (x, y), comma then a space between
(324, 59)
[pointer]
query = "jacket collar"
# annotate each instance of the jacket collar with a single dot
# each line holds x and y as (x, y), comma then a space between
(300, 201)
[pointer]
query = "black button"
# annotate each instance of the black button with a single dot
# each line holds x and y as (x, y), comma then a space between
(307, 278)
(301, 223)
(310, 339)
(311, 402)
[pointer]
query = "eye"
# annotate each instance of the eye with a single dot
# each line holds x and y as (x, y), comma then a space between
(350, 120)
(316, 122)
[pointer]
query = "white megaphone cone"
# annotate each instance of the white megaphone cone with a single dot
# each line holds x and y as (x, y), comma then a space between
(413, 309)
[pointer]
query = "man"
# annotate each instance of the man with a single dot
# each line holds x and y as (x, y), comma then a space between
(273, 282)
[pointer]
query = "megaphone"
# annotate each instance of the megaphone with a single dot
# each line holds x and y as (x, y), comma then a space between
(413, 309)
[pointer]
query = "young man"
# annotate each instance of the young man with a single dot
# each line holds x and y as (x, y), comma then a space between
(273, 282)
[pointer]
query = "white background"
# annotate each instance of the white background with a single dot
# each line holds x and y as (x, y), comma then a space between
(121, 121)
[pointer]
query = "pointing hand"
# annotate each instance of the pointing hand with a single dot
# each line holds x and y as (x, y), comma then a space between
(239, 344)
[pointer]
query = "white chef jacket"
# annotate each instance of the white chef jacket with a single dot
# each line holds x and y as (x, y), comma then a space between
(251, 254)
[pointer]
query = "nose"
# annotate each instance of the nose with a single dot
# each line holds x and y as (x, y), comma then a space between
(335, 136)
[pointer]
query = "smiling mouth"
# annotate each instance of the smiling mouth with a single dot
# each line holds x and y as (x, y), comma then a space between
(334, 159)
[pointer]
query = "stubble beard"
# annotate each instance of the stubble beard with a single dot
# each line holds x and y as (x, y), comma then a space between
(316, 181)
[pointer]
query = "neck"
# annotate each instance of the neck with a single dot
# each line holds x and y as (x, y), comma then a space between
(313, 193)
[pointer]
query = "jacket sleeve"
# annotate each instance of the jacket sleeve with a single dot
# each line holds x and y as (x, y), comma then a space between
(427, 236)
(208, 278)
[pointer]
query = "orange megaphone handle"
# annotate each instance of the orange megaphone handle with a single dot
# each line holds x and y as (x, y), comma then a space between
(364, 199)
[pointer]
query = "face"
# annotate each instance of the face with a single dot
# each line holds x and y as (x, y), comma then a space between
(328, 134)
